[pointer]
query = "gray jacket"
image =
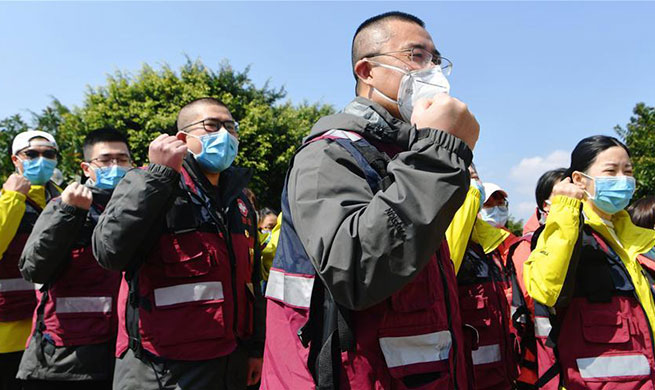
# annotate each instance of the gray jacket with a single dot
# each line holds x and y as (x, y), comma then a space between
(367, 246)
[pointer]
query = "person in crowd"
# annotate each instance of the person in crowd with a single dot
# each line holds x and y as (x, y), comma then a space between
(74, 326)
(537, 356)
(269, 234)
(362, 285)
(190, 313)
(24, 194)
(584, 268)
(485, 284)
(267, 220)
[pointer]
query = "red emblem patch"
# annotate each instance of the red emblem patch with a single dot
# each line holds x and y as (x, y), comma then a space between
(242, 208)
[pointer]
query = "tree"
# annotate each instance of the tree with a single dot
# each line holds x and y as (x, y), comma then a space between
(639, 136)
(145, 105)
(515, 226)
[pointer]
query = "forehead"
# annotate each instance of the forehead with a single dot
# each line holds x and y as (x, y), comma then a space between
(40, 144)
(615, 155)
(103, 148)
(208, 110)
(405, 35)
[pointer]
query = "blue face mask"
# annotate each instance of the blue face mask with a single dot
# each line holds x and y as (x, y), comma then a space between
(480, 188)
(612, 193)
(496, 216)
(219, 150)
(107, 178)
(39, 170)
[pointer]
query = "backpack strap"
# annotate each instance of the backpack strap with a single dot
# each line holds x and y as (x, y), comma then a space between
(328, 330)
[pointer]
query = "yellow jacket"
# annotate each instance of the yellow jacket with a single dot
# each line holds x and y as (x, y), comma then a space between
(467, 226)
(14, 334)
(545, 270)
(268, 252)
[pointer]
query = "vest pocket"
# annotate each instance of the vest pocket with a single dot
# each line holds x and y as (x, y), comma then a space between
(605, 327)
(187, 309)
(80, 320)
(184, 255)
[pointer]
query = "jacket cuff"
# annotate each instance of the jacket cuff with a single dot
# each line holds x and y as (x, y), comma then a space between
(445, 140)
(563, 201)
(72, 210)
(163, 171)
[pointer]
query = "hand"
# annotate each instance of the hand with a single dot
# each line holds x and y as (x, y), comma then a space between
(567, 188)
(167, 150)
(17, 182)
(254, 370)
(448, 114)
(77, 195)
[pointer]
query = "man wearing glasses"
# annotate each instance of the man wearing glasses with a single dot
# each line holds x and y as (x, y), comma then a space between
(24, 194)
(362, 292)
(184, 233)
(72, 343)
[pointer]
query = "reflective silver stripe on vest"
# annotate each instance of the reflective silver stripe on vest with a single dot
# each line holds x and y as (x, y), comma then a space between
(291, 289)
(486, 354)
(191, 292)
(424, 348)
(609, 366)
(83, 305)
(18, 284)
(542, 326)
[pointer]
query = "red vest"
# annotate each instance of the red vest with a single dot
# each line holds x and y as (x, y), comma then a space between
(483, 282)
(605, 340)
(189, 283)
(80, 305)
(416, 332)
(17, 296)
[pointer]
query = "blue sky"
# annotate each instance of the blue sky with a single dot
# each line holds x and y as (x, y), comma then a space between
(538, 76)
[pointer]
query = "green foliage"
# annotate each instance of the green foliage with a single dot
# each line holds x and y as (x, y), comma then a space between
(145, 105)
(515, 226)
(639, 136)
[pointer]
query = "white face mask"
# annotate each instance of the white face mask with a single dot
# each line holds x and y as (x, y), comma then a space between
(496, 216)
(415, 85)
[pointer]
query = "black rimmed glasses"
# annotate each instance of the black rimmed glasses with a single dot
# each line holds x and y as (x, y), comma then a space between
(212, 125)
(31, 154)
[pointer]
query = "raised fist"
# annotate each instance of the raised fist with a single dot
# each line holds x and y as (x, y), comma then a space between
(167, 150)
(77, 195)
(448, 114)
(567, 188)
(17, 182)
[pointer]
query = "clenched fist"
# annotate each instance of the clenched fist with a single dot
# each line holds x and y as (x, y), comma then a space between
(17, 182)
(567, 188)
(448, 114)
(77, 195)
(167, 150)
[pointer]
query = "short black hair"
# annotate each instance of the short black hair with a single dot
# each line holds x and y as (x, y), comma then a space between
(546, 183)
(585, 152)
(195, 102)
(642, 212)
(357, 51)
(104, 134)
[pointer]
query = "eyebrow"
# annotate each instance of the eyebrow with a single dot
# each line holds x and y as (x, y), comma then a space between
(410, 46)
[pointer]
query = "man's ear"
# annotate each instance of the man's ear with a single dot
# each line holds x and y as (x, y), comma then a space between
(86, 168)
(363, 71)
(17, 163)
(181, 136)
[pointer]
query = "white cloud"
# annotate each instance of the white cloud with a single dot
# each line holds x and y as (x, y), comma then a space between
(529, 169)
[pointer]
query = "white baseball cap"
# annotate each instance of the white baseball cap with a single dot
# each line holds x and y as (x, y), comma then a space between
(22, 140)
(490, 188)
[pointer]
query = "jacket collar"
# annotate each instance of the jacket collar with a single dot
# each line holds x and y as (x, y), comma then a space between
(231, 182)
(368, 119)
(635, 240)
